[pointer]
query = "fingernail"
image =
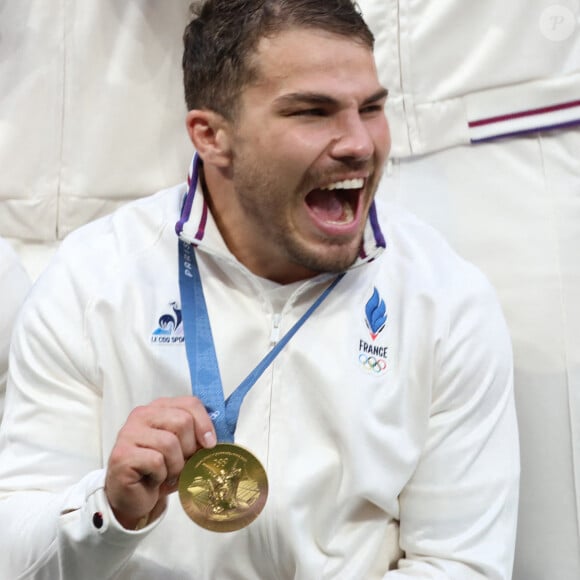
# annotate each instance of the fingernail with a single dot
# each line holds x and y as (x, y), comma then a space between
(209, 439)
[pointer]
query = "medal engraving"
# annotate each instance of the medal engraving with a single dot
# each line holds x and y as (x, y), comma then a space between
(223, 489)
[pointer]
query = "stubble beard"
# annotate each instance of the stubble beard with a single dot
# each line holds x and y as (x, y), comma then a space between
(337, 258)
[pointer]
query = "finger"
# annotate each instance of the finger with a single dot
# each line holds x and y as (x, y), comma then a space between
(130, 465)
(175, 420)
(203, 425)
(167, 431)
(168, 445)
(205, 434)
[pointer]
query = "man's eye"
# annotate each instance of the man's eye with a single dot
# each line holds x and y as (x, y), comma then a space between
(372, 109)
(315, 112)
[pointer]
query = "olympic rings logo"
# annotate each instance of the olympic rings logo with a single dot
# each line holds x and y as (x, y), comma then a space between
(372, 363)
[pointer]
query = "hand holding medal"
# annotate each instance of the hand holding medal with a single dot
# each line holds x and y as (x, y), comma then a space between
(148, 456)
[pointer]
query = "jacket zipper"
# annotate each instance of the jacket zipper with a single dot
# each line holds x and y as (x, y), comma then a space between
(275, 332)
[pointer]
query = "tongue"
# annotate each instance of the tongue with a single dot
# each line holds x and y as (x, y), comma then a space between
(325, 205)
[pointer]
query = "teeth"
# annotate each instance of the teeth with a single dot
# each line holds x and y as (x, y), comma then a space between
(346, 184)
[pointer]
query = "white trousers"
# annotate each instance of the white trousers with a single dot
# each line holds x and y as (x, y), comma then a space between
(513, 208)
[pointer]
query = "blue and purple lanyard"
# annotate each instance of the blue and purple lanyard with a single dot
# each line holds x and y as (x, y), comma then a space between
(201, 356)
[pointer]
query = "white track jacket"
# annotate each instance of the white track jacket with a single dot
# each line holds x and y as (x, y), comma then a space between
(14, 285)
(391, 452)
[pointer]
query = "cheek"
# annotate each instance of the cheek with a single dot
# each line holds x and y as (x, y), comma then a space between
(313, 141)
(310, 136)
(381, 135)
(293, 152)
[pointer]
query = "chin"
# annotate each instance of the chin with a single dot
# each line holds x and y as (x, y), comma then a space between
(329, 261)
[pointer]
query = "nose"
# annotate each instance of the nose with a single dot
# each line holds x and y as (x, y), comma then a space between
(353, 138)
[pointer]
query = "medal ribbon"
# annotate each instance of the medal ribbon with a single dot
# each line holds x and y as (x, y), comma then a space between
(203, 367)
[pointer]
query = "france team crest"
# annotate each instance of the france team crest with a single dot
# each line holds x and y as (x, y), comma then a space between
(372, 355)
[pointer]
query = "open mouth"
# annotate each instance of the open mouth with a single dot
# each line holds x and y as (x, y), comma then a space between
(336, 203)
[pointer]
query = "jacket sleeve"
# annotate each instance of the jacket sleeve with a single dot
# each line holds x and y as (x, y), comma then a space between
(14, 285)
(458, 512)
(56, 520)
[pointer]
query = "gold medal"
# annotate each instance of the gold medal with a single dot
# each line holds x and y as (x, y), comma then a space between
(223, 489)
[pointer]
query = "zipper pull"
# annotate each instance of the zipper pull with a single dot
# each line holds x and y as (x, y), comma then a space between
(275, 333)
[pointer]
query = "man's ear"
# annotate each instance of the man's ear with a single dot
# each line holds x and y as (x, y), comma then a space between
(210, 134)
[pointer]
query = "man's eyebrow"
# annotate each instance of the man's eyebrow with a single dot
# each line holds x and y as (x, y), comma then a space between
(381, 94)
(320, 99)
(305, 98)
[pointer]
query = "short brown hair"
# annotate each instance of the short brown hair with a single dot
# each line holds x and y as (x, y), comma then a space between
(224, 34)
